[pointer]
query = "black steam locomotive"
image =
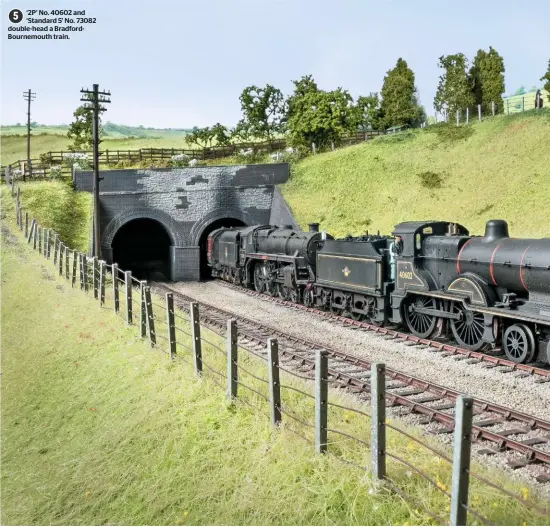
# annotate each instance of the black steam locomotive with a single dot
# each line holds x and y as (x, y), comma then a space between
(432, 277)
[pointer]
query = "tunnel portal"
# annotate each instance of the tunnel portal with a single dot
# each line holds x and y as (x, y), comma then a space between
(142, 246)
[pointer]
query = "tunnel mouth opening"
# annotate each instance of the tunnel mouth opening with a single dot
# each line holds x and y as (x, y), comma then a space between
(205, 272)
(142, 246)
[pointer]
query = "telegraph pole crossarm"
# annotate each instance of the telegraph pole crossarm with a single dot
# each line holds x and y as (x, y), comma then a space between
(95, 99)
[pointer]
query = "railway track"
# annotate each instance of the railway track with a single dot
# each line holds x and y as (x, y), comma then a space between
(540, 374)
(497, 430)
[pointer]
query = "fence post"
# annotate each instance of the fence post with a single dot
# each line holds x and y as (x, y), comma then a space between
(313, 148)
(128, 287)
(102, 267)
(12, 186)
(523, 104)
(82, 271)
(95, 281)
(196, 336)
(321, 396)
(55, 242)
(479, 112)
(143, 313)
(114, 274)
(66, 262)
(40, 230)
(170, 321)
(61, 258)
(457, 117)
(332, 145)
(507, 107)
(467, 115)
(35, 235)
(75, 256)
(231, 350)
(26, 224)
(150, 317)
(461, 459)
(378, 420)
(274, 384)
(493, 107)
(48, 235)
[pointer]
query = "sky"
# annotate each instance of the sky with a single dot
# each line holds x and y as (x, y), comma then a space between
(181, 63)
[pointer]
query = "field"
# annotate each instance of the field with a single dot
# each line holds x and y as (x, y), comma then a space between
(97, 428)
(497, 168)
(527, 99)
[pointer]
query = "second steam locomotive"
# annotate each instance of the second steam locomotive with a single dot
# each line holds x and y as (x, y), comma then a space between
(431, 277)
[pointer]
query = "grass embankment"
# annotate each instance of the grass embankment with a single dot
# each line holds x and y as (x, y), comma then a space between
(499, 168)
(55, 205)
(98, 428)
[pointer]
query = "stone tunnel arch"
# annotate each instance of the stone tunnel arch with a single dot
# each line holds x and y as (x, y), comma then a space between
(142, 246)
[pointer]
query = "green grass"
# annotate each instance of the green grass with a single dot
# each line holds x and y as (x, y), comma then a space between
(100, 429)
(528, 99)
(498, 168)
(55, 205)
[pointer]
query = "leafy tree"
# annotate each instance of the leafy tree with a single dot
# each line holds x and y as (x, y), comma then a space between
(546, 78)
(454, 91)
(81, 129)
(220, 134)
(263, 110)
(202, 137)
(317, 116)
(368, 112)
(240, 133)
(520, 91)
(399, 104)
(487, 79)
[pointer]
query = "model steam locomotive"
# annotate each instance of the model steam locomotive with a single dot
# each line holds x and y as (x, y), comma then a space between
(431, 276)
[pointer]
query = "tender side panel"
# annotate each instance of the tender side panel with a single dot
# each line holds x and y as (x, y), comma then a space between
(349, 272)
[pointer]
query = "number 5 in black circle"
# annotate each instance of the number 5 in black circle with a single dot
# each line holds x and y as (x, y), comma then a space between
(16, 16)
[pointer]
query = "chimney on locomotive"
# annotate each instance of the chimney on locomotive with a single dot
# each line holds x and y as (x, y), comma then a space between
(495, 230)
(313, 227)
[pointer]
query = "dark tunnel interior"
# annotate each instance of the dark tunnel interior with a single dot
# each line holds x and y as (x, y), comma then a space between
(142, 247)
(224, 222)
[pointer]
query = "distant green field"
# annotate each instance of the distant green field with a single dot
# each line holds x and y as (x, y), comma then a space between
(111, 131)
(516, 105)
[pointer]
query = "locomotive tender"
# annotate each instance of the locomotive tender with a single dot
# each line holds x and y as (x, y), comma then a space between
(430, 276)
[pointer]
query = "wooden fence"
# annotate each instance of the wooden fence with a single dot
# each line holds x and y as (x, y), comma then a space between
(41, 167)
(176, 330)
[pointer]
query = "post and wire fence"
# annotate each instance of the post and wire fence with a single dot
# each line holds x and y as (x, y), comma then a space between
(313, 408)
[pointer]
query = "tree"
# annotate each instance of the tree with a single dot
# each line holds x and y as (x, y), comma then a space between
(220, 134)
(454, 91)
(263, 111)
(81, 129)
(368, 112)
(520, 91)
(487, 79)
(202, 137)
(241, 132)
(317, 116)
(546, 78)
(399, 104)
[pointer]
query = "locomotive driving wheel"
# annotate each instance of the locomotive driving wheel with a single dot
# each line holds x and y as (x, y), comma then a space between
(259, 280)
(308, 297)
(518, 343)
(284, 292)
(469, 328)
(422, 325)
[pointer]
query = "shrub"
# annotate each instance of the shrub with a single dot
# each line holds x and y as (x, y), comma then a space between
(430, 179)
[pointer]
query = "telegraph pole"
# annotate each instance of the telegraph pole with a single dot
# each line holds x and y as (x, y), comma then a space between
(28, 96)
(95, 98)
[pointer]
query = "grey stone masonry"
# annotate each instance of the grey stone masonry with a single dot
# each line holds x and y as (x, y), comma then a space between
(186, 201)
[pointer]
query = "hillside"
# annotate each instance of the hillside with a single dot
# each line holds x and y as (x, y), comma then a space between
(498, 168)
